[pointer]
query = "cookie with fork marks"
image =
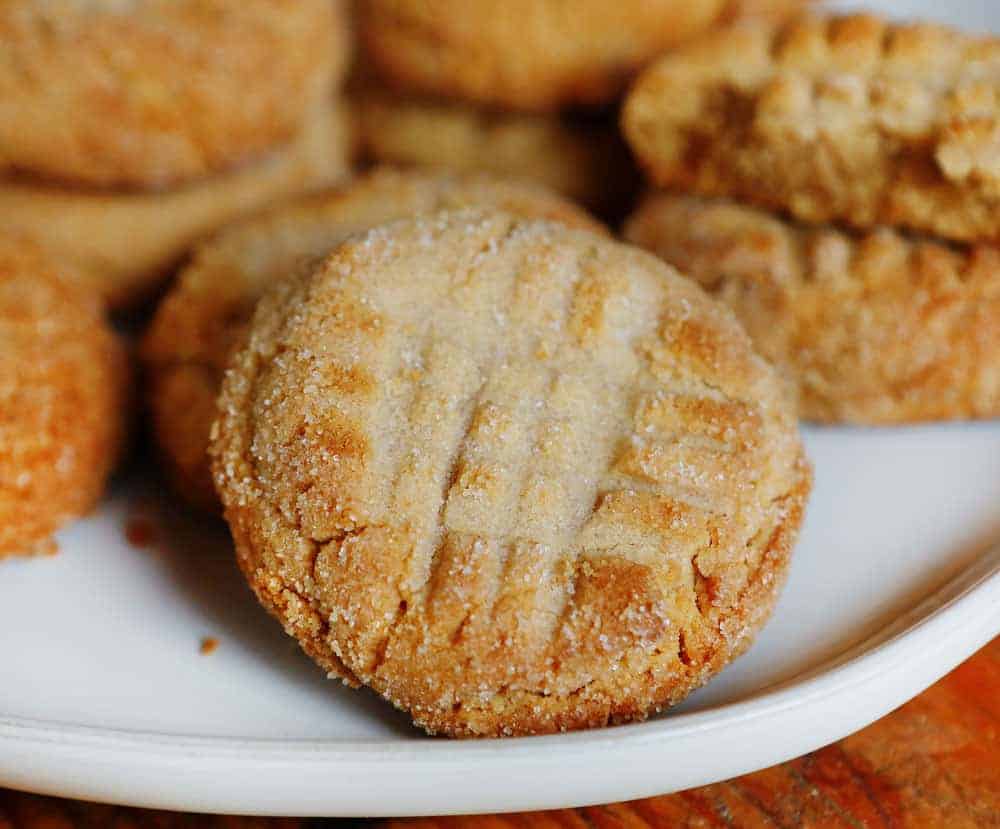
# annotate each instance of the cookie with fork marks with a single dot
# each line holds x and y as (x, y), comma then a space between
(515, 477)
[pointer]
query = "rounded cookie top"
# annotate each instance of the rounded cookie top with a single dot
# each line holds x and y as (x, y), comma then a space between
(140, 93)
(525, 54)
(871, 328)
(851, 119)
(515, 477)
(205, 315)
(62, 399)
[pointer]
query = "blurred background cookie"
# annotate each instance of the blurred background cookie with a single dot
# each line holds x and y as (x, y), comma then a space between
(872, 328)
(583, 158)
(159, 92)
(539, 55)
(63, 377)
(123, 244)
(850, 119)
(204, 317)
(518, 478)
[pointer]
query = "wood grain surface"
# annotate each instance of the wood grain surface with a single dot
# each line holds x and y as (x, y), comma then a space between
(933, 763)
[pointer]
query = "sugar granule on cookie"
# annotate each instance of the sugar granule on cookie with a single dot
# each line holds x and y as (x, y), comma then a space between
(204, 317)
(849, 119)
(518, 478)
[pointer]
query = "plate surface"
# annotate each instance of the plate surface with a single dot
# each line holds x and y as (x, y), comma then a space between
(104, 694)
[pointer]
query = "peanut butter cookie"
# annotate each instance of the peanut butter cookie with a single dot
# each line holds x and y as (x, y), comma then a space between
(63, 380)
(517, 478)
(849, 119)
(140, 93)
(583, 158)
(871, 328)
(538, 55)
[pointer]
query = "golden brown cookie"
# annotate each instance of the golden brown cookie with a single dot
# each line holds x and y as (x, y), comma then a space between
(518, 478)
(583, 158)
(874, 328)
(123, 244)
(63, 377)
(848, 119)
(205, 315)
(158, 92)
(537, 55)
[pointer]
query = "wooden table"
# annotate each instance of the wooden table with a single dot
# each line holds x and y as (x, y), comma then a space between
(935, 762)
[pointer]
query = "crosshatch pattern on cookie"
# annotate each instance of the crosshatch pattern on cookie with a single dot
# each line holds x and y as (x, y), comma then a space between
(205, 316)
(516, 478)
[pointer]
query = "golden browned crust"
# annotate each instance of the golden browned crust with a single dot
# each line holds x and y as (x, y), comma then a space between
(159, 92)
(63, 377)
(515, 477)
(19, 810)
(875, 328)
(122, 245)
(204, 317)
(847, 119)
(537, 55)
(584, 159)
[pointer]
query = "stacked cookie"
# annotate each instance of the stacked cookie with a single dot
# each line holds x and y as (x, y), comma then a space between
(511, 474)
(525, 89)
(834, 181)
(130, 130)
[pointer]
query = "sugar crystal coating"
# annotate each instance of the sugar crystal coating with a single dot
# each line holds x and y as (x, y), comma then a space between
(516, 477)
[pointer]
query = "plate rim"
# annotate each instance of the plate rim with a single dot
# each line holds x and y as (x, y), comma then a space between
(930, 639)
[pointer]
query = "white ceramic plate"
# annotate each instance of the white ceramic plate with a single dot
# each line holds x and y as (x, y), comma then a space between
(104, 694)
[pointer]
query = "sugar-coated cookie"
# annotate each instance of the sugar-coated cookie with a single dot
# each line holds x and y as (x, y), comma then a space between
(204, 316)
(516, 477)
